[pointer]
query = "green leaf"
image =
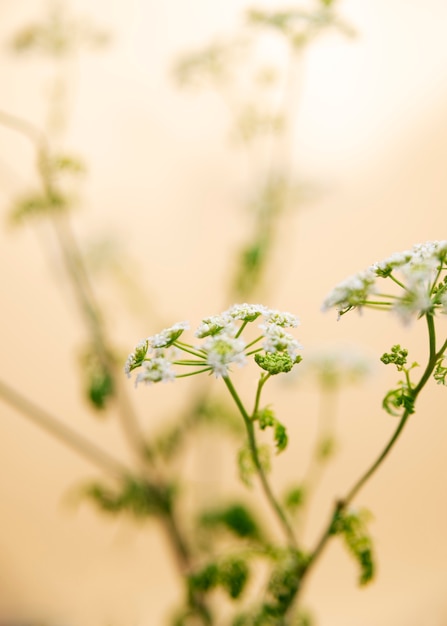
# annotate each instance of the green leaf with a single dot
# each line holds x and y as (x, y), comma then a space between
(352, 527)
(231, 574)
(135, 496)
(295, 498)
(266, 419)
(98, 380)
(246, 466)
(236, 518)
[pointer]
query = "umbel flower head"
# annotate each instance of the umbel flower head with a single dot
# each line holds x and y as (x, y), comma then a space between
(416, 284)
(159, 358)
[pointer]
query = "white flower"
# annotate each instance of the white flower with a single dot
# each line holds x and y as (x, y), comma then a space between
(416, 273)
(246, 312)
(281, 318)
(353, 291)
(214, 324)
(167, 336)
(136, 357)
(222, 350)
(157, 369)
(278, 340)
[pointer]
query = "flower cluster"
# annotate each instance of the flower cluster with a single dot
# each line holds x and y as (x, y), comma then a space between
(159, 357)
(416, 278)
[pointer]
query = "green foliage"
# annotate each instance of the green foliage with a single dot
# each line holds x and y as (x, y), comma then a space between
(440, 372)
(352, 527)
(266, 419)
(231, 574)
(403, 395)
(325, 448)
(294, 498)
(236, 518)
(396, 399)
(136, 497)
(58, 35)
(56, 171)
(268, 205)
(298, 27)
(303, 618)
(439, 291)
(252, 123)
(210, 65)
(98, 380)
(282, 587)
(37, 204)
(246, 465)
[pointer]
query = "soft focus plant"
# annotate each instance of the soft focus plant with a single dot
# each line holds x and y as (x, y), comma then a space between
(228, 546)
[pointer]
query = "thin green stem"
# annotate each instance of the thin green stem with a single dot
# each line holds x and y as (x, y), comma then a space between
(258, 465)
(341, 504)
(205, 369)
(239, 332)
(190, 363)
(187, 348)
(252, 343)
(395, 280)
(263, 379)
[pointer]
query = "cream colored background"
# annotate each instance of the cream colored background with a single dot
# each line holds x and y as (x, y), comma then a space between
(372, 135)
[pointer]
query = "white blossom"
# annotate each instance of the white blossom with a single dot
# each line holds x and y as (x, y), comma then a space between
(247, 312)
(222, 350)
(353, 291)
(155, 370)
(278, 340)
(416, 287)
(281, 318)
(167, 336)
(214, 324)
(136, 357)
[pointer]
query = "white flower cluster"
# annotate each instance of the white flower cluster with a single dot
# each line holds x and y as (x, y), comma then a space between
(418, 273)
(222, 346)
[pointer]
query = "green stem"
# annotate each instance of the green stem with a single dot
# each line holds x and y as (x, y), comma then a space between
(258, 465)
(52, 425)
(342, 504)
(187, 348)
(261, 384)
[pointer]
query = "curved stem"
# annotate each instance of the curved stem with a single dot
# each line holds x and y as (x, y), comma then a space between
(341, 504)
(258, 465)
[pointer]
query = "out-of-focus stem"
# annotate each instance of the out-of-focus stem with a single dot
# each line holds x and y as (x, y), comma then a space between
(51, 424)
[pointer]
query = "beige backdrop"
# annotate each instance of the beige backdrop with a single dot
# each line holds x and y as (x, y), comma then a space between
(371, 138)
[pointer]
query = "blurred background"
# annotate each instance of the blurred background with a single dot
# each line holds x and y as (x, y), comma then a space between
(162, 215)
